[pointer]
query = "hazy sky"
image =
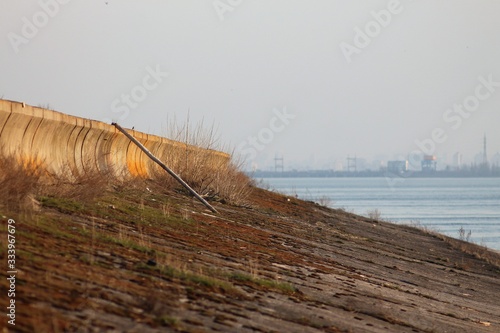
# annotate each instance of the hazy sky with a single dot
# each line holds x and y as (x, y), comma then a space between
(314, 81)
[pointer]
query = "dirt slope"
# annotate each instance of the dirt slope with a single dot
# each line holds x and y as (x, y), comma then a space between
(156, 261)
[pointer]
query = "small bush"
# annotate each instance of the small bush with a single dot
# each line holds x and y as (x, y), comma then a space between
(462, 235)
(232, 185)
(23, 180)
(374, 214)
(213, 178)
(325, 201)
(84, 187)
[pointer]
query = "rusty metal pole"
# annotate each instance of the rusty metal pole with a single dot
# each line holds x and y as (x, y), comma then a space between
(164, 167)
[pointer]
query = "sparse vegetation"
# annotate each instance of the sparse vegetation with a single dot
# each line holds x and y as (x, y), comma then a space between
(146, 256)
(284, 287)
(463, 236)
(25, 182)
(167, 320)
(374, 214)
(224, 181)
(325, 201)
(25, 179)
(78, 185)
(183, 274)
(19, 181)
(131, 254)
(45, 106)
(463, 243)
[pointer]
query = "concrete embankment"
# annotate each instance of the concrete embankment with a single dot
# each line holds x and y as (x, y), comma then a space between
(65, 144)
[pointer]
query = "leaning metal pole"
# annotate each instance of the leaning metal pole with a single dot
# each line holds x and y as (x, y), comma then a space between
(164, 167)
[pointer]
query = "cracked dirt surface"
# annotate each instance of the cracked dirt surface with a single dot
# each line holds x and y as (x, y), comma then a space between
(137, 261)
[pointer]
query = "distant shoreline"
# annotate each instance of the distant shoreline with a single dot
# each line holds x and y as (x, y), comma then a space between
(370, 174)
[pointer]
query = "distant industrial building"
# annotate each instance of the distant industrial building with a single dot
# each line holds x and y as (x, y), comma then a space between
(457, 160)
(429, 163)
(495, 160)
(397, 166)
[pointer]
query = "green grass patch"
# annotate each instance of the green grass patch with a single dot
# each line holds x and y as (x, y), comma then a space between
(57, 229)
(66, 206)
(141, 211)
(166, 320)
(284, 287)
(241, 277)
(199, 280)
(126, 242)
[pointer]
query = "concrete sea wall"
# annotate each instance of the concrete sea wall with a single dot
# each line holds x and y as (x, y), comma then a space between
(65, 144)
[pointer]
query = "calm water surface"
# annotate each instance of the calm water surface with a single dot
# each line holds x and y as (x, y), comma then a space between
(442, 204)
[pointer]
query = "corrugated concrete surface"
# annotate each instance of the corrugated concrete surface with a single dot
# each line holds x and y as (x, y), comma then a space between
(67, 144)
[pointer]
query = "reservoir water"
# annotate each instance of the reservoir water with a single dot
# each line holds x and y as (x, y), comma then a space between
(444, 205)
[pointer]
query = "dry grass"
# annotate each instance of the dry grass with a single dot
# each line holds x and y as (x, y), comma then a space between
(478, 251)
(213, 178)
(19, 181)
(209, 173)
(464, 244)
(325, 201)
(81, 187)
(231, 185)
(374, 214)
(23, 180)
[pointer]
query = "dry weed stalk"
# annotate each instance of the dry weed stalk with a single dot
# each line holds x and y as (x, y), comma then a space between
(166, 209)
(92, 256)
(213, 177)
(19, 181)
(23, 179)
(253, 267)
(77, 185)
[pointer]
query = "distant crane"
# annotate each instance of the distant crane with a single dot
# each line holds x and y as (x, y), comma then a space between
(279, 163)
(485, 155)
